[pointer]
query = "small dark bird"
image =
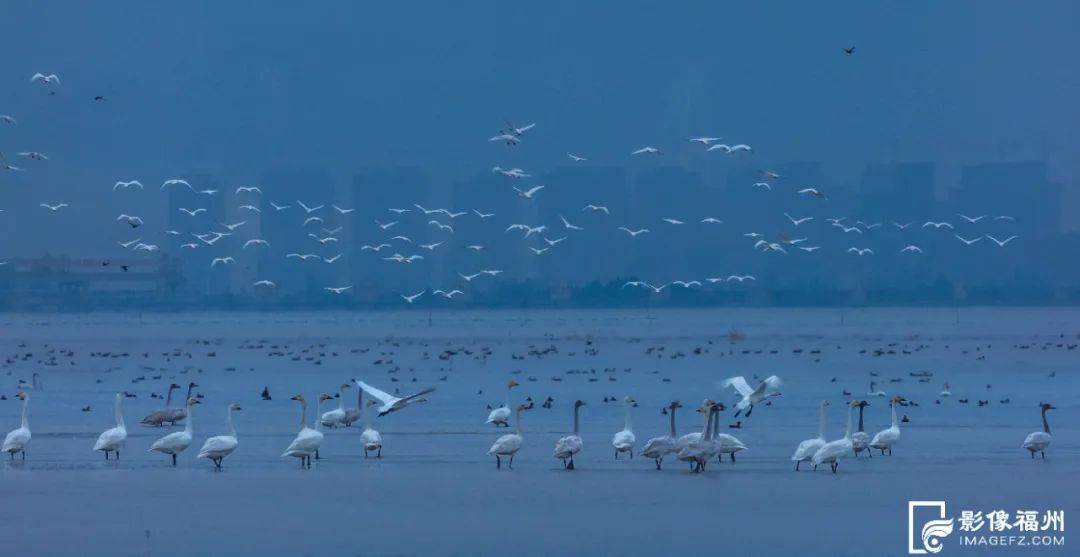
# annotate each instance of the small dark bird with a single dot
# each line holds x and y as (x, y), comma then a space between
(904, 420)
(99, 98)
(266, 393)
(124, 267)
(736, 425)
(850, 50)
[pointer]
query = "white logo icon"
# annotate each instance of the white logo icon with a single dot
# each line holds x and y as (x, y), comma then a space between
(932, 531)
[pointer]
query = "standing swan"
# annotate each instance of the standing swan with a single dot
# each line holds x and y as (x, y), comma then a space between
(352, 415)
(176, 443)
(886, 438)
(860, 440)
(307, 440)
(726, 444)
(1035, 442)
(158, 418)
(221, 446)
(657, 447)
(370, 438)
(501, 415)
(624, 440)
(570, 445)
(806, 449)
(113, 439)
(509, 444)
(336, 417)
(833, 450)
(17, 439)
(179, 413)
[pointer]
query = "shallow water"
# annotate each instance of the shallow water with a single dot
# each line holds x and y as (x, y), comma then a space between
(435, 491)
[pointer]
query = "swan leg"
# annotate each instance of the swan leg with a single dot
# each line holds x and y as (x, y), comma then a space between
(24, 455)
(174, 459)
(498, 462)
(617, 454)
(835, 465)
(750, 411)
(118, 454)
(317, 457)
(571, 465)
(658, 464)
(797, 463)
(870, 453)
(511, 465)
(107, 455)
(380, 453)
(365, 453)
(740, 412)
(1043, 455)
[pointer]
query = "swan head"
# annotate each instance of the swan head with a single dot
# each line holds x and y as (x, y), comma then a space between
(192, 402)
(1043, 405)
(579, 403)
(675, 404)
(521, 408)
(512, 384)
(630, 401)
(897, 399)
(21, 395)
(174, 386)
(324, 397)
(824, 403)
(858, 404)
(299, 398)
(371, 402)
(192, 385)
(234, 406)
(344, 386)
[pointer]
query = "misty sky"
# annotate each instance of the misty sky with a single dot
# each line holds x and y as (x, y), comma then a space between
(234, 88)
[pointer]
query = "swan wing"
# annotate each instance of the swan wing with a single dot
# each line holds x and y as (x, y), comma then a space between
(415, 396)
(739, 384)
(382, 396)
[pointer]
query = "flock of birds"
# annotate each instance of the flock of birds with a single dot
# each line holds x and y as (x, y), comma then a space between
(322, 223)
(695, 448)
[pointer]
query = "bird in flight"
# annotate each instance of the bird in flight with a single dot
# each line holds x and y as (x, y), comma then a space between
(569, 226)
(1001, 243)
(901, 226)
(647, 150)
(798, 221)
(264, 283)
(711, 220)
(972, 220)
(412, 298)
(812, 191)
(301, 256)
(441, 225)
(332, 260)
(6, 119)
(51, 78)
(448, 295)
(703, 140)
(508, 138)
(192, 212)
(248, 189)
(342, 211)
(308, 209)
(234, 226)
(528, 194)
(128, 184)
(576, 158)
(250, 208)
(600, 208)
(53, 208)
(539, 251)
(387, 225)
(256, 242)
(33, 155)
(911, 249)
(943, 224)
(338, 289)
(966, 241)
(511, 173)
(280, 207)
(175, 182)
(672, 221)
(860, 251)
(849, 50)
(374, 248)
(483, 215)
(763, 185)
(222, 260)
(634, 233)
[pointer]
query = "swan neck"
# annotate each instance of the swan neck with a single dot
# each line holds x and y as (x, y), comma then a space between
(576, 410)
(849, 415)
(303, 414)
(119, 414)
(168, 397)
(228, 419)
(1046, 424)
(189, 389)
(517, 421)
(860, 417)
(26, 412)
(318, 415)
(821, 423)
(708, 425)
(673, 423)
(626, 422)
(894, 424)
(187, 422)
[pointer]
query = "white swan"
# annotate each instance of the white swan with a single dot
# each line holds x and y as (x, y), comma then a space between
(806, 449)
(860, 440)
(726, 444)
(624, 440)
(370, 438)
(392, 403)
(567, 447)
(112, 440)
(1038, 441)
(751, 396)
(698, 451)
(833, 450)
(657, 447)
(509, 444)
(874, 391)
(336, 417)
(886, 438)
(307, 441)
(501, 415)
(17, 439)
(177, 442)
(221, 446)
